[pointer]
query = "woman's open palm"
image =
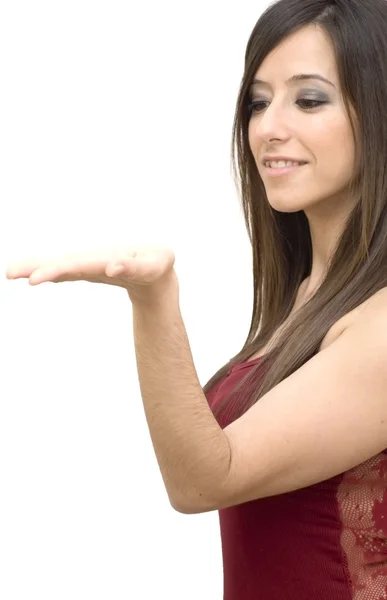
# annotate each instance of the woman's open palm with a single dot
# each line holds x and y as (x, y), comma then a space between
(130, 267)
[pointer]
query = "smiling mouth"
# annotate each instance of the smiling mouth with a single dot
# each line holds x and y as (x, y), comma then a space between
(276, 171)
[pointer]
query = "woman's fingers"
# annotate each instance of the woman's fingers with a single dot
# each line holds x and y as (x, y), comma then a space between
(22, 269)
(120, 266)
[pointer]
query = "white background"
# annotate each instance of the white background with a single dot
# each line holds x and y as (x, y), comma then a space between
(115, 126)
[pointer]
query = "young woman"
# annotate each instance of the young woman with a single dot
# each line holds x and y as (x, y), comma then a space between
(288, 439)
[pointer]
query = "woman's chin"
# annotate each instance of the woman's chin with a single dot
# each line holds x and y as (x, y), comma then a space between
(287, 206)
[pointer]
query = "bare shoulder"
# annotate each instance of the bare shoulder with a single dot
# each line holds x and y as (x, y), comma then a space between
(377, 302)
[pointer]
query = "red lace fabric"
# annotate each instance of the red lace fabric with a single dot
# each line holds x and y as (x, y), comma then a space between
(362, 499)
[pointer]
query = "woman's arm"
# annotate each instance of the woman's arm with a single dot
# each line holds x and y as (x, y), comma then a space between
(192, 450)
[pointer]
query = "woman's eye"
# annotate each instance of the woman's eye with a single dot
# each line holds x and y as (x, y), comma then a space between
(256, 107)
(305, 104)
(309, 104)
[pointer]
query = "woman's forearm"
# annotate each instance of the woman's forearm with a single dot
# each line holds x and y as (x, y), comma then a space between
(192, 451)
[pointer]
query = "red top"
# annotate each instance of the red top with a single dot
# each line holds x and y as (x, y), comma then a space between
(324, 542)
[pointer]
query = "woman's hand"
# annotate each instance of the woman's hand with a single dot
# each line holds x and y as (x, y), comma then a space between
(143, 271)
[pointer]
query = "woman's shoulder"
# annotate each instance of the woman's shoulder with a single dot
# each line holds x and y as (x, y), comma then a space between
(377, 302)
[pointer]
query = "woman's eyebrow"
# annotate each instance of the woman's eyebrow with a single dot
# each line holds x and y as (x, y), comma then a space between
(296, 78)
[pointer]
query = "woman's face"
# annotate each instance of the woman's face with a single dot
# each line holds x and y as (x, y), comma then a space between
(302, 119)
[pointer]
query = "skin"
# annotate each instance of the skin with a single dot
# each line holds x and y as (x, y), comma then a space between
(321, 135)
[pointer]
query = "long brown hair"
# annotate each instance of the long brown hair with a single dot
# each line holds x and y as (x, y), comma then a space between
(281, 242)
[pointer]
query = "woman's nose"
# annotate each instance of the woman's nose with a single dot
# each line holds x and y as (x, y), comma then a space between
(272, 123)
